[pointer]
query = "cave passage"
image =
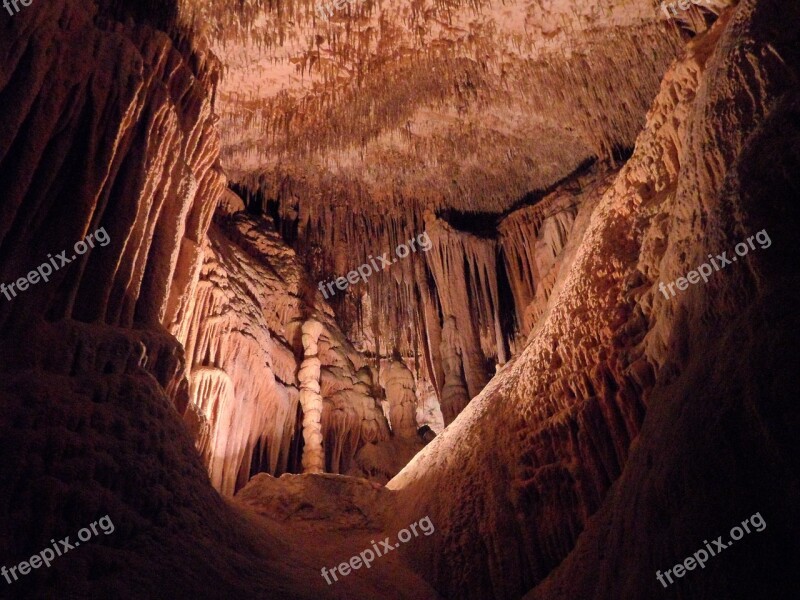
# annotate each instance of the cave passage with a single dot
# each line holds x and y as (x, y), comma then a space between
(401, 299)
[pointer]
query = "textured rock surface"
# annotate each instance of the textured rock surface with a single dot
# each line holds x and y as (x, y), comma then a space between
(112, 127)
(454, 391)
(400, 396)
(105, 124)
(311, 400)
(532, 240)
(327, 501)
(233, 329)
(412, 116)
(715, 430)
(246, 339)
(621, 428)
(607, 388)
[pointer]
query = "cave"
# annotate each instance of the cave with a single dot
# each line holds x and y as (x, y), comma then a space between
(415, 299)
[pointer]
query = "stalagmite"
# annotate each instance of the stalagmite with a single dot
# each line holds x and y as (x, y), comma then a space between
(311, 400)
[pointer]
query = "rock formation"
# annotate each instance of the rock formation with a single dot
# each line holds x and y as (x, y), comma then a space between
(454, 391)
(606, 389)
(401, 398)
(310, 400)
(429, 410)
(243, 429)
(324, 119)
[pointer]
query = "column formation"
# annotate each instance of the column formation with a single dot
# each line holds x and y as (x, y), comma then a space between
(311, 400)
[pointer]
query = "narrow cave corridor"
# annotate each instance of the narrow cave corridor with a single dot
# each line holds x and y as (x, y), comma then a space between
(404, 299)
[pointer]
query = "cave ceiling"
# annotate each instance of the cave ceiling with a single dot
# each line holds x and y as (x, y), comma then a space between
(464, 106)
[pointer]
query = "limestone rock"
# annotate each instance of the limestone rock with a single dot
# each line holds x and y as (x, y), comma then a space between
(591, 400)
(598, 429)
(402, 400)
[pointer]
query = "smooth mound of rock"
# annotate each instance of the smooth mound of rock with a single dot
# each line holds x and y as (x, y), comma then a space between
(333, 501)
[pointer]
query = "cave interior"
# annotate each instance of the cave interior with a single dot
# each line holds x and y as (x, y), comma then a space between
(408, 299)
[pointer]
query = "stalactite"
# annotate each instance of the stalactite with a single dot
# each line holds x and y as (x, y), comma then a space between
(532, 238)
(353, 132)
(454, 392)
(226, 341)
(463, 267)
(398, 382)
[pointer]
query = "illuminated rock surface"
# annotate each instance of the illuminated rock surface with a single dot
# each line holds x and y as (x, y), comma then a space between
(563, 158)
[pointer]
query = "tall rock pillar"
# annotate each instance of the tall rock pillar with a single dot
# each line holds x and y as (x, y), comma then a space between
(311, 400)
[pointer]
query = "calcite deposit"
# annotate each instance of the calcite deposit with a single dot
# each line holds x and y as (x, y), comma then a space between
(323, 119)
(607, 388)
(311, 400)
(518, 379)
(251, 315)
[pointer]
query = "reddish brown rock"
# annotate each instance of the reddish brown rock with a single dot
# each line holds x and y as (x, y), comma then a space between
(607, 388)
(618, 427)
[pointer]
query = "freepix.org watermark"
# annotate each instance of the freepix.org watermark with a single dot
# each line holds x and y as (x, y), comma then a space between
(721, 261)
(48, 555)
(701, 556)
(365, 270)
(7, 4)
(44, 270)
(682, 4)
(325, 10)
(366, 557)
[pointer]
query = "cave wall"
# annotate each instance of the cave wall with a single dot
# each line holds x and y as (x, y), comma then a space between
(444, 307)
(721, 418)
(106, 123)
(242, 375)
(112, 127)
(619, 384)
(246, 367)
